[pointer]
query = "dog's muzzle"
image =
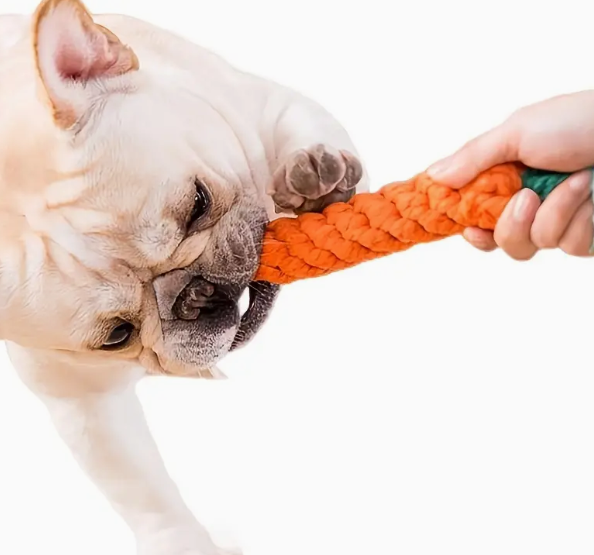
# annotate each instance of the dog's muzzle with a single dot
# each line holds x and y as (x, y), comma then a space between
(199, 305)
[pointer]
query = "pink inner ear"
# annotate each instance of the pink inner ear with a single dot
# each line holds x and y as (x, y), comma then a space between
(98, 58)
(71, 48)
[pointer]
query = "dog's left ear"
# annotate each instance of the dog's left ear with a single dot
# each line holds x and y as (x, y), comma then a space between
(72, 53)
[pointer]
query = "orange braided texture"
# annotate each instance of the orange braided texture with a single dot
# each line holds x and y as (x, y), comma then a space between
(372, 225)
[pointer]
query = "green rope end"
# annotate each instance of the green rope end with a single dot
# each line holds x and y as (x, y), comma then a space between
(542, 182)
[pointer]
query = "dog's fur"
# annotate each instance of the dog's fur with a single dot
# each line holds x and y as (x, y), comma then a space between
(111, 126)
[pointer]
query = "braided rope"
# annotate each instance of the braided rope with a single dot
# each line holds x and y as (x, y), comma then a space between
(393, 219)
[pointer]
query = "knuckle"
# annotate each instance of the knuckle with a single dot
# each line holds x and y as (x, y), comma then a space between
(513, 244)
(544, 238)
(505, 236)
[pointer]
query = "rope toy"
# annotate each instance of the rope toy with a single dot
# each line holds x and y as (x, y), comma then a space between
(393, 219)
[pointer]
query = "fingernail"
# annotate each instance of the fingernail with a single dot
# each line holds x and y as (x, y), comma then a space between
(521, 205)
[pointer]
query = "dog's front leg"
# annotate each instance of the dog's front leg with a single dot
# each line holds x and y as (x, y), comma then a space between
(108, 435)
(314, 162)
(98, 415)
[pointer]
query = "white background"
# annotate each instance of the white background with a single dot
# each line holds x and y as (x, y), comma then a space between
(438, 401)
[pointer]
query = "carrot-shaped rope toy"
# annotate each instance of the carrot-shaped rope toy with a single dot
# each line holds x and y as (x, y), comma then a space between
(393, 219)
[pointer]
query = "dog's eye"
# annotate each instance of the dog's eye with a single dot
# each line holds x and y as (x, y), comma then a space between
(119, 336)
(201, 202)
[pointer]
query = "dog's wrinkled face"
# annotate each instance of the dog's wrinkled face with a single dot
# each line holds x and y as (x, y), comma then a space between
(148, 230)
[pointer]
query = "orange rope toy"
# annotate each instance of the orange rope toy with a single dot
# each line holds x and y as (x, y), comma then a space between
(393, 219)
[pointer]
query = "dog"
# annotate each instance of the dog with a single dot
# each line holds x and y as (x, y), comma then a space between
(137, 174)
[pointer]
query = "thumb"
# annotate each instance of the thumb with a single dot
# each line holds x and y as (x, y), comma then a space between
(494, 147)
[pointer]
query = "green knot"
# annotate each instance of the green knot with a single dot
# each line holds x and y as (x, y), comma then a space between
(542, 182)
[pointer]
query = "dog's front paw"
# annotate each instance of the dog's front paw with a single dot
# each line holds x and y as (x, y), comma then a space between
(180, 541)
(313, 178)
(174, 549)
(219, 551)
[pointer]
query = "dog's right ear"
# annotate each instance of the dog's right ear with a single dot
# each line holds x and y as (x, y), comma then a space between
(72, 52)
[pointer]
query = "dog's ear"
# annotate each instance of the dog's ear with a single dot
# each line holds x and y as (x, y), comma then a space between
(72, 52)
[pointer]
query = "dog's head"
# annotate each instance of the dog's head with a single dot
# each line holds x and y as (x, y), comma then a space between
(131, 226)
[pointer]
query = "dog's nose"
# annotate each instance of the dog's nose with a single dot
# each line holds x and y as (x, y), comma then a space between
(199, 296)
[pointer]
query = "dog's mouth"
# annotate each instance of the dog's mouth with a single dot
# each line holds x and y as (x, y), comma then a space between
(261, 296)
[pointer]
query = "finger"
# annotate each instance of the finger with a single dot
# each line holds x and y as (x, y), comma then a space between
(558, 210)
(480, 239)
(577, 239)
(494, 147)
(512, 232)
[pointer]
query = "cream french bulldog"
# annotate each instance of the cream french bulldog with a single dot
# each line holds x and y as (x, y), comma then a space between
(137, 173)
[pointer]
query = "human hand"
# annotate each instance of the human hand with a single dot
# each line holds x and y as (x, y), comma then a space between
(556, 134)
